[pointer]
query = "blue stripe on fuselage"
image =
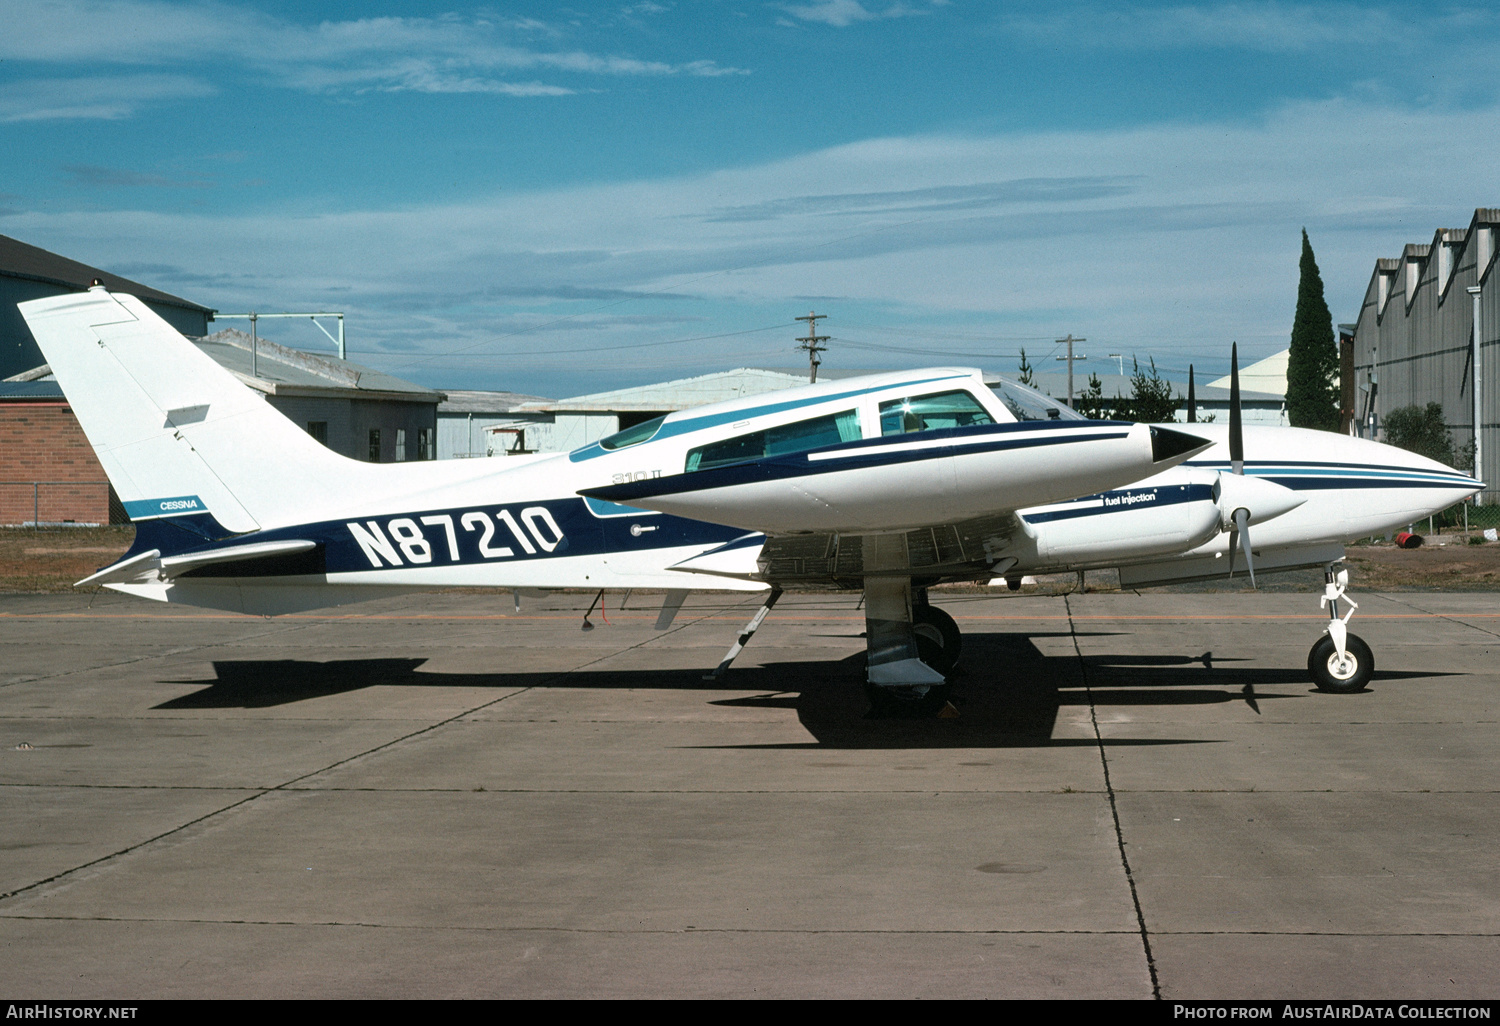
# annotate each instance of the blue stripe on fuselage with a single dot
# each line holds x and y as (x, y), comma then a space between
(1306, 475)
(581, 533)
(1124, 500)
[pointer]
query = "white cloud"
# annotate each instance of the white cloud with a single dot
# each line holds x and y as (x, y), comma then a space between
(1180, 236)
(1264, 25)
(108, 97)
(843, 13)
(441, 54)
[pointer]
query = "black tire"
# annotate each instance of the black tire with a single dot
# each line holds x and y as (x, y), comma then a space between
(1323, 665)
(939, 641)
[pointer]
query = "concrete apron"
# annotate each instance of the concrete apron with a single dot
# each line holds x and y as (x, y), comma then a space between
(890, 642)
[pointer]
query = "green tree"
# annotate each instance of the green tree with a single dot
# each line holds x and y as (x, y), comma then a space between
(1151, 398)
(1312, 397)
(1421, 431)
(1092, 403)
(1025, 377)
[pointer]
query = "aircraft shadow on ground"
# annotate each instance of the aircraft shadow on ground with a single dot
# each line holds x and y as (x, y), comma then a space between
(1007, 691)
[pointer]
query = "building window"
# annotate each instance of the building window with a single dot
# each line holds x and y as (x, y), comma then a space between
(400, 445)
(424, 444)
(374, 445)
(319, 430)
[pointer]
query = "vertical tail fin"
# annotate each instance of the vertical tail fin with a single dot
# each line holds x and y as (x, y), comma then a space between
(177, 434)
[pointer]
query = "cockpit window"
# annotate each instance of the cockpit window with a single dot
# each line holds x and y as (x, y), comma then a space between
(641, 432)
(1029, 404)
(777, 441)
(932, 413)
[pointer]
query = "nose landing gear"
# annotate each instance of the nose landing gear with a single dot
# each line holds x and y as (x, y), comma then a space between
(1340, 663)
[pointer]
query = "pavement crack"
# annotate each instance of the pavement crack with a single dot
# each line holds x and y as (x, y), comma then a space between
(1114, 809)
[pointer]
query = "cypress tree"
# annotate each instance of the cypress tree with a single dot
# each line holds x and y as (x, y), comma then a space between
(1312, 398)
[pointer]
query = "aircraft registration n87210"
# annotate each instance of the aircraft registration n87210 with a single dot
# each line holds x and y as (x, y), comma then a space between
(888, 483)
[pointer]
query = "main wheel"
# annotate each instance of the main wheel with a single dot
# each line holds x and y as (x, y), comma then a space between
(939, 641)
(1341, 678)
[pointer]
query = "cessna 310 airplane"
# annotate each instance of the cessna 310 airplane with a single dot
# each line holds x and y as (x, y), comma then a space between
(890, 483)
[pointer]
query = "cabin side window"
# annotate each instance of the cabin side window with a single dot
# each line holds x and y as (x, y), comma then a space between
(777, 441)
(932, 413)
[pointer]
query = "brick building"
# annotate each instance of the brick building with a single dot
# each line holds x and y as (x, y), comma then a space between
(48, 471)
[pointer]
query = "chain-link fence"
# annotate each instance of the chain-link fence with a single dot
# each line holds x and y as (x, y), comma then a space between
(39, 504)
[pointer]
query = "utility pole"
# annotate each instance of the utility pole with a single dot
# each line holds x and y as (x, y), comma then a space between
(810, 343)
(1478, 390)
(1072, 360)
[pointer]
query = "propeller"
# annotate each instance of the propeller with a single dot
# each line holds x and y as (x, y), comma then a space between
(1241, 515)
(1192, 413)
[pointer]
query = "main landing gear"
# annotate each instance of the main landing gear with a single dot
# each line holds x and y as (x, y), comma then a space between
(911, 648)
(1340, 662)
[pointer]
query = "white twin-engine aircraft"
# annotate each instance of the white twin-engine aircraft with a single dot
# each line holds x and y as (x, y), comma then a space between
(891, 483)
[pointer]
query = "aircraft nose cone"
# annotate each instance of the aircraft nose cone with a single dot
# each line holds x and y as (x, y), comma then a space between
(1166, 444)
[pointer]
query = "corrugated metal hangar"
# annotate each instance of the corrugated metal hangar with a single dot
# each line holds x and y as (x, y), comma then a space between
(1415, 341)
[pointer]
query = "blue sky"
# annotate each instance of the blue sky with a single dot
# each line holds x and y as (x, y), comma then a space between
(564, 199)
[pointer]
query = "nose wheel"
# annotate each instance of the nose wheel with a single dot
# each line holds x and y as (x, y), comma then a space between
(1341, 675)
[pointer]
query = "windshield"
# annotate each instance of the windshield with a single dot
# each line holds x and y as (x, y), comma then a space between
(1029, 404)
(932, 413)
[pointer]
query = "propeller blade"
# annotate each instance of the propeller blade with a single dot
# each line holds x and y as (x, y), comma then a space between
(1242, 528)
(1192, 415)
(1236, 434)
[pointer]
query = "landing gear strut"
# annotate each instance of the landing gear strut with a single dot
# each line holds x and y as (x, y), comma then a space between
(1340, 662)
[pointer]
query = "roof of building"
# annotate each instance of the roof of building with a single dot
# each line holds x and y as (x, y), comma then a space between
(1268, 375)
(272, 369)
(462, 401)
(677, 395)
(21, 260)
(278, 370)
(1055, 384)
(22, 391)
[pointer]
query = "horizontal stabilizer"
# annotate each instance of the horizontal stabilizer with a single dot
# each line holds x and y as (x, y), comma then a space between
(126, 569)
(151, 564)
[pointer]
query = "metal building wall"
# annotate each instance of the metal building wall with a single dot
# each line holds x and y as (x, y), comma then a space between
(19, 351)
(1417, 344)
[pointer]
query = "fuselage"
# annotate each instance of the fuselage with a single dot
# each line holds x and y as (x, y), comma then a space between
(882, 454)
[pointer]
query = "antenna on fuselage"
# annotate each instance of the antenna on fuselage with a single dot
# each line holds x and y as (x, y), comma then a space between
(1192, 411)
